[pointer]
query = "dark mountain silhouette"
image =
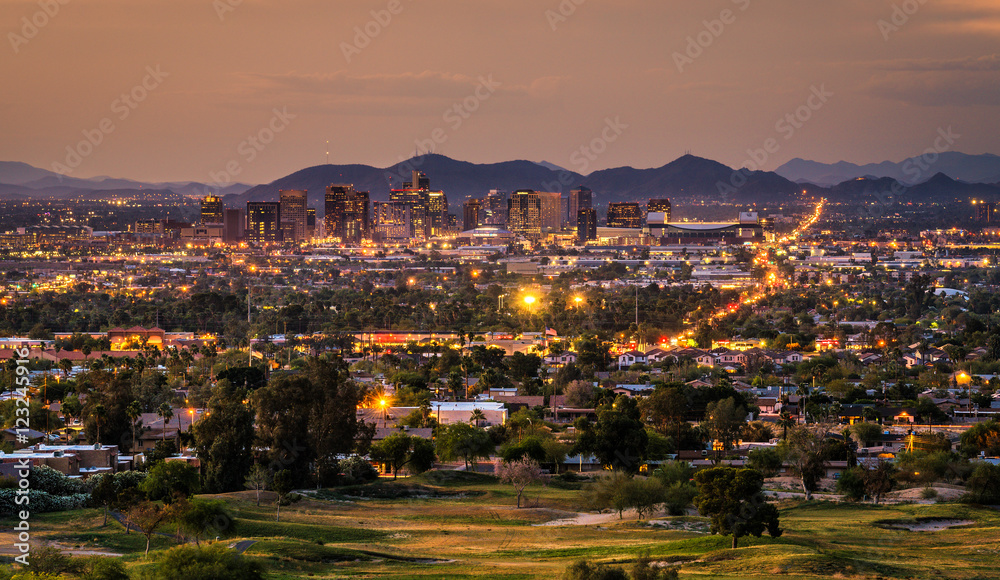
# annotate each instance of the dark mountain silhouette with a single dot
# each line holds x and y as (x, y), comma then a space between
(983, 168)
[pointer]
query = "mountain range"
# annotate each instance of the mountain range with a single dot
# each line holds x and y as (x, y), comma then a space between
(983, 168)
(952, 177)
(22, 181)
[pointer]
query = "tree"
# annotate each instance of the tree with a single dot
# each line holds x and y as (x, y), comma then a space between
(215, 562)
(605, 492)
(786, 422)
(757, 431)
(879, 480)
(765, 460)
(169, 480)
(308, 419)
(983, 486)
(166, 412)
(204, 517)
(463, 441)
(803, 449)
(258, 479)
(724, 420)
(866, 434)
(579, 394)
(644, 494)
(399, 450)
(133, 411)
(734, 501)
(147, 516)
(476, 416)
(519, 473)
(224, 440)
(983, 436)
(282, 483)
(619, 438)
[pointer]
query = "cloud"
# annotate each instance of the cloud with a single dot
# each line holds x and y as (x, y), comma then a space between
(937, 88)
(405, 87)
(985, 63)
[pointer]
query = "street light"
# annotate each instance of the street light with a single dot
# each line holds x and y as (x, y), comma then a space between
(529, 300)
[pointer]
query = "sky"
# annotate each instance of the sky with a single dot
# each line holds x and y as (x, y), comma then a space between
(251, 90)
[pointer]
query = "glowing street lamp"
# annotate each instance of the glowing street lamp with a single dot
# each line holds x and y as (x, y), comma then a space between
(529, 300)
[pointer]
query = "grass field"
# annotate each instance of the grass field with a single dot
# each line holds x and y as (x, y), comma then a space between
(456, 525)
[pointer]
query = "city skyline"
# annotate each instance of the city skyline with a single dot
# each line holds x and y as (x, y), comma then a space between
(863, 82)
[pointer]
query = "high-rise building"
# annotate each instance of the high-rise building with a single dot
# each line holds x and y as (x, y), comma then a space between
(311, 222)
(232, 226)
(437, 213)
(986, 212)
(293, 209)
(659, 206)
(472, 211)
(579, 198)
(391, 220)
(625, 214)
(347, 214)
(551, 214)
(524, 213)
(428, 209)
(263, 222)
(586, 225)
(211, 210)
(494, 207)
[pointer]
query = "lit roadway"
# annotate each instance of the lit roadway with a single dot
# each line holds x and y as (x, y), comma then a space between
(773, 278)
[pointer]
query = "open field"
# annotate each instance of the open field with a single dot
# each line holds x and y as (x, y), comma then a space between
(457, 525)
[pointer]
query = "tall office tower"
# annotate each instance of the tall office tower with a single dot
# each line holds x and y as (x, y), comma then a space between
(293, 209)
(437, 213)
(310, 223)
(986, 212)
(524, 213)
(659, 205)
(263, 222)
(428, 209)
(347, 214)
(579, 198)
(625, 214)
(391, 221)
(494, 207)
(418, 180)
(232, 226)
(586, 225)
(551, 202)
(472, 211)
(211, 210)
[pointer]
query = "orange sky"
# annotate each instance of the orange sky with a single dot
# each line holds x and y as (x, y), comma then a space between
(554, 73)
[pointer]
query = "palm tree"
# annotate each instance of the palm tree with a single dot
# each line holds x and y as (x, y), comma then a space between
(477, 416)
(99, 413)
(785, 421)
(133, 411)
(166, 413)
(65, 365)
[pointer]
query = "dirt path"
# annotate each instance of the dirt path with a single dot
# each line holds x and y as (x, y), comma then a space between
(589, 519)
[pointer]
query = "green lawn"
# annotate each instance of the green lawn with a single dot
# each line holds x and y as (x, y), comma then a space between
(467, 527)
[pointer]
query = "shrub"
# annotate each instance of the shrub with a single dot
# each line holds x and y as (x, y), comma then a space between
(583, 570)
(214, 562)
(851, 484)
(983, 486)
(928, 493)
(104, 568)
(356, 470)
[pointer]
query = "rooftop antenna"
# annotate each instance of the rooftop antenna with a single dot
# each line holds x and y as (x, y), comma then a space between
(328, 152)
